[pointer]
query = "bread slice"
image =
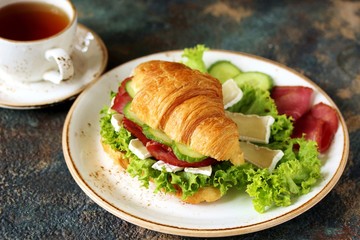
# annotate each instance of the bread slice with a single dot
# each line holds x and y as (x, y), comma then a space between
(205, 194)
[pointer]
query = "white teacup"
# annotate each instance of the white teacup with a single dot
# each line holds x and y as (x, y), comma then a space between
(41, 55)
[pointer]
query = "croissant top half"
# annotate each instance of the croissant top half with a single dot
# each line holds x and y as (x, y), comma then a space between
(188, 106)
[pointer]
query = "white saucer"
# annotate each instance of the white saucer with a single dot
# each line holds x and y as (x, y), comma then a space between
(90, 59)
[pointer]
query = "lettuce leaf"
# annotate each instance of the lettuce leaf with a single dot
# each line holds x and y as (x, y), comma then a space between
(255, 101)
(189, 183)
(296, 173)
(227, 176)
(194, 57)
(117, 140)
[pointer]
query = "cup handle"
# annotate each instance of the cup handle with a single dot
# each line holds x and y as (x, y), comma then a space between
(65, 66)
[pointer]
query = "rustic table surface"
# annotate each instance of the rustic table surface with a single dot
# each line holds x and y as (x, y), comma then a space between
(39, 199)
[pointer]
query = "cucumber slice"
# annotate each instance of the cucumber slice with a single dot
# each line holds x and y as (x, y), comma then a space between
(180, 150)
(223, 70)
(130, 89)
(131, 115)
(157, 135)
(184, 153)
(255, 79)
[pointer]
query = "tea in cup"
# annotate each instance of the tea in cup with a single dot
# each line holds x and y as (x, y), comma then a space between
(36, 40)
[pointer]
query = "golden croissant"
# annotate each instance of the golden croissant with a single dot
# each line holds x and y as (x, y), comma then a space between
(188, 106)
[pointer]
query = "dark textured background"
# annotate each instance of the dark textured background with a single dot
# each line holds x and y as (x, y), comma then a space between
(321, 39)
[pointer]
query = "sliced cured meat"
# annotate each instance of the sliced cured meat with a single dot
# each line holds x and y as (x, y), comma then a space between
(135, 130)
(165, 153)
(120, 102)
(121, 98)
(319, 124)
(327, 114)
(122, 87)
(310, 126)
(293, 101)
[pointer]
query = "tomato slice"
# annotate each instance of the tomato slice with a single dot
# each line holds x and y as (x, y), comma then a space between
(293, 101)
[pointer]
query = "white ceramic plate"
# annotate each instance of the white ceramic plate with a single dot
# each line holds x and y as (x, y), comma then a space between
(90, 58)
(115, 191)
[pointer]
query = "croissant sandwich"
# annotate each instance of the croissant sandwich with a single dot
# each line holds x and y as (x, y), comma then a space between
(167, 125)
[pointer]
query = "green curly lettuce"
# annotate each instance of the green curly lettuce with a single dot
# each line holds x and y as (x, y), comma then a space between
(117, 140)
(194, 57)
(296, 173)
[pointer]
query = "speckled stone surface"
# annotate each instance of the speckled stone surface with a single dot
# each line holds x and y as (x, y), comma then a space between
(321, 39)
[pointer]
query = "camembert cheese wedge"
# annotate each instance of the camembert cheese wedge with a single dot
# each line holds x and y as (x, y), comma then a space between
(262, 157)
(231, 93)
(252, 128)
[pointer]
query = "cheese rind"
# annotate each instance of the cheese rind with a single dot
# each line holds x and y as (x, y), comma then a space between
(231, 93)
(252, 128)
(161, 165)
(207, 170)
(262, 157)
(116, 120)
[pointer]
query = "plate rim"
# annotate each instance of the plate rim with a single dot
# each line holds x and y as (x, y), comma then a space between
(51, 102)
(211, 232)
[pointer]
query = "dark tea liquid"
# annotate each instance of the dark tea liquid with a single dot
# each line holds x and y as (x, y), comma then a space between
(31, 21)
